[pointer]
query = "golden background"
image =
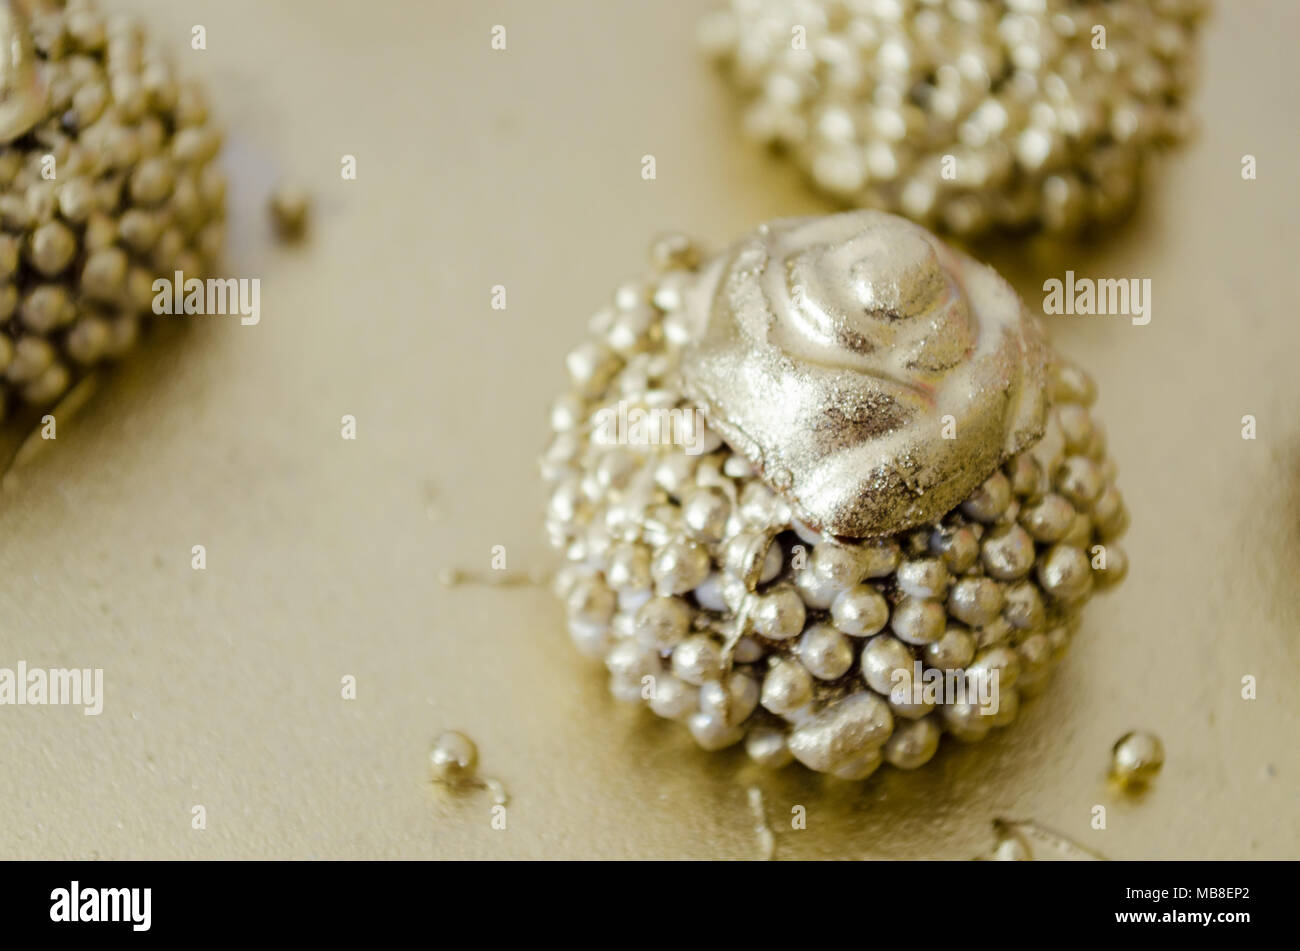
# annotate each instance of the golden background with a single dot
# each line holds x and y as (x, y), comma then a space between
(522, 168)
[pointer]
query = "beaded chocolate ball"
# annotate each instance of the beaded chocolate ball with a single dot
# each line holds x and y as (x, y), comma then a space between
(106, 183)
(829, 494)
(965, 114)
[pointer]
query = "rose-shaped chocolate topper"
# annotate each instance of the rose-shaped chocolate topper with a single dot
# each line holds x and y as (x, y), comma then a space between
(873, 375)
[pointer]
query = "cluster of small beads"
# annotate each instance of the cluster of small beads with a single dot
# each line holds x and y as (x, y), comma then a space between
(710, 602)
(965, 114)
(113, 189)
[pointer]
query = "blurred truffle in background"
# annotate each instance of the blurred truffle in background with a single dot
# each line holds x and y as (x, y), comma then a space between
(966, 116)
(107, 182)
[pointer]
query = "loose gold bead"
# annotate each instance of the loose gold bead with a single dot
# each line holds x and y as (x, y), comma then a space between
(289, 206)
(1136, 758)
(454, 758)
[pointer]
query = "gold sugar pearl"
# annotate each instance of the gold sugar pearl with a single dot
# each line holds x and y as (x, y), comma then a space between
(289, 206)
(1136, 758)
(454, 758)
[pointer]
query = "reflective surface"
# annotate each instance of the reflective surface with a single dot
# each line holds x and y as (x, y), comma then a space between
(523, 168)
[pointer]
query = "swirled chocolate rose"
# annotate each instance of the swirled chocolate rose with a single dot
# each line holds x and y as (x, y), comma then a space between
(827, 494)
(874, 376)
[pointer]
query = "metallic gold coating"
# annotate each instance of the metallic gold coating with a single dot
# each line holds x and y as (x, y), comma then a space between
(965, 115)
(22, 95)
(106, 184)
(223, 686)
(874, 376)
(767, 576)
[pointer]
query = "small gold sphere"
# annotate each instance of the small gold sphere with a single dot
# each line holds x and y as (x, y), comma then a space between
(1136, 758)
(454, 758)
(289, 206)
